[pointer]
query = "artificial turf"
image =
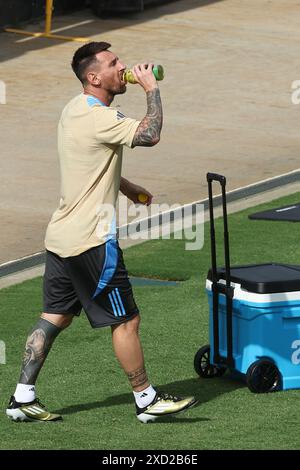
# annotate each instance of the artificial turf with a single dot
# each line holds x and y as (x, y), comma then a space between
(82, 380)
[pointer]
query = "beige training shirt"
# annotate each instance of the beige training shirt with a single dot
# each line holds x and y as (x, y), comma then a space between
(90, 144)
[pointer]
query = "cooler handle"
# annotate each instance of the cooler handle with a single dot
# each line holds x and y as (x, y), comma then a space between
(215, 177)
(228, 291)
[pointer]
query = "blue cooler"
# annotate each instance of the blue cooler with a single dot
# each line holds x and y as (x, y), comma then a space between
(254, 313)
(265, 324)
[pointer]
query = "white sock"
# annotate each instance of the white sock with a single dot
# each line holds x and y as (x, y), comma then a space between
(145, 397)
(24, 393)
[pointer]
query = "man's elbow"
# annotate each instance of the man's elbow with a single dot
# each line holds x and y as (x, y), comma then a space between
(145, 140)
(155, 140)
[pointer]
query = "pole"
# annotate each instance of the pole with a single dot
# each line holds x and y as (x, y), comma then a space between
(47, 33)
(49, 8)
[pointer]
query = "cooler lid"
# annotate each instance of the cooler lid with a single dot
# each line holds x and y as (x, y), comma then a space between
(264, 278)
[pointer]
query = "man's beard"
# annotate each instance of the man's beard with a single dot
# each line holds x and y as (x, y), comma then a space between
(120, 91)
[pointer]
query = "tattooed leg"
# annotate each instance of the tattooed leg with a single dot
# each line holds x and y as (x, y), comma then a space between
(37, 348)
(129, 352)
(138, 378)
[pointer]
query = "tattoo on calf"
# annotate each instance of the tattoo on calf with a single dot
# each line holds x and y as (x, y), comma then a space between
(137, 377)
(37, 347)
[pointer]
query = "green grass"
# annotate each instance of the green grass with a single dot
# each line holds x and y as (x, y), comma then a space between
(82, 379)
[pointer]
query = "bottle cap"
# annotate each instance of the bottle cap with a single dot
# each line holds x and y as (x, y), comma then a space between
(142, 197)
(159, 72)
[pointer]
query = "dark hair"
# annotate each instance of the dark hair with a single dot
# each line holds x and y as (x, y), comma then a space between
(85, 56)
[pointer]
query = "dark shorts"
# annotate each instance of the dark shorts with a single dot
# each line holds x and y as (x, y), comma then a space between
(95, 281)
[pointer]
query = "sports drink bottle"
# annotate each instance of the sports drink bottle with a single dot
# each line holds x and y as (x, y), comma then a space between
(158, 72)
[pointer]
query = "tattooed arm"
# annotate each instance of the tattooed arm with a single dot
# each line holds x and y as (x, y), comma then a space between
(148, 132)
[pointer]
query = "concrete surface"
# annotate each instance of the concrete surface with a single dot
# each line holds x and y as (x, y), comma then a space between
(227, 104)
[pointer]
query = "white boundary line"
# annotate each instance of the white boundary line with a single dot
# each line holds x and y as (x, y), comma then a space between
(240, 193)
(241, 189)
(57, 30)
(23, 258)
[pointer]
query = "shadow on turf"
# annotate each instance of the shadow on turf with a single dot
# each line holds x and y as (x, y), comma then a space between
(204, 390)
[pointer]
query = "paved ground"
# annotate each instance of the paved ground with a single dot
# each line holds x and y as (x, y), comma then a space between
(227, 99)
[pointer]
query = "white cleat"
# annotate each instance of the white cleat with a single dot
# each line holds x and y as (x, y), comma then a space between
(33, 411)
(164, 405)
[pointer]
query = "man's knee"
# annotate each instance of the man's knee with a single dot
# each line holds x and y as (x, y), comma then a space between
(134, 323)
(62, 321)
(131, 326)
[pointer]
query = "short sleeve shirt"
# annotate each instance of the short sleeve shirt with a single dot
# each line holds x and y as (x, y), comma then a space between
(91, 137)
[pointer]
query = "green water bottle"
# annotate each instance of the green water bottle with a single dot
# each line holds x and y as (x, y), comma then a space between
(158, 72)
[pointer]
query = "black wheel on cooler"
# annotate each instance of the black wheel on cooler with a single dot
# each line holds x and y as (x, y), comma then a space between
(203, 366)
(263, 377)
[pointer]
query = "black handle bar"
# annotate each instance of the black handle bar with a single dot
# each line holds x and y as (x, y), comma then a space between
(215, 177)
